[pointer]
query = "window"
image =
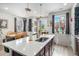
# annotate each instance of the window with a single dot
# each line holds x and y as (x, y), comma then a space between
(59, 24)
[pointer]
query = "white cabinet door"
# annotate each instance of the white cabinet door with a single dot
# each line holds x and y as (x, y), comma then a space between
(0, 41)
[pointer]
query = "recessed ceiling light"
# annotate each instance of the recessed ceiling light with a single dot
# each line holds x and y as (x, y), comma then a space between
(65, 4)
(6, 8)
(35, 12)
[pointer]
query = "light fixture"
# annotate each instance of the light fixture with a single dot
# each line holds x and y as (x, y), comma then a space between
(40, 10)
(65, 4)
(40, 14)
(35, 12)
(6, 8)
(28, 10)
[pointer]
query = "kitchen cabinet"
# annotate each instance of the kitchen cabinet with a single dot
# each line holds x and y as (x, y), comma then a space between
(47, 50)
(51, 47)
(33, 48)
(77, 46)
(41, 53)
(16, 54)
(7, 40)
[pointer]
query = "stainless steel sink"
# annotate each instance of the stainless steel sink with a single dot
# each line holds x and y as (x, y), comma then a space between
(42, 39)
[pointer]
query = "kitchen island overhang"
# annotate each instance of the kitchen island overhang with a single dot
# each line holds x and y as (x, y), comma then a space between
(30, 48)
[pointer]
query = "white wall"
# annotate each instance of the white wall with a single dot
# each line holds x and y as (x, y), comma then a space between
(72, 27)
(10, 19)
(10, 26)
(60, 38)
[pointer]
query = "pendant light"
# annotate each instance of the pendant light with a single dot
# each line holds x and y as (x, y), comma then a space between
(40, 10)
(28, 11)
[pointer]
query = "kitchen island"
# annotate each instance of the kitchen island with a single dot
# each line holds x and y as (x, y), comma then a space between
(24, 47)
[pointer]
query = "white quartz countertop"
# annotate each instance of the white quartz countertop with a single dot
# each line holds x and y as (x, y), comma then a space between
(24, 47)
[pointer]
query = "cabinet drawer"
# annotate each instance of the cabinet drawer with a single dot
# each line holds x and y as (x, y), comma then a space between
(77, 44)
(77, 40)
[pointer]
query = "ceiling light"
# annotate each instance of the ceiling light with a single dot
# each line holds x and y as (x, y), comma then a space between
(35, 12)
(65, 4)
(6, 8)
(28, 11)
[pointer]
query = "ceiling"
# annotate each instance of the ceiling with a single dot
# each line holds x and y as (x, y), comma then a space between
(18, 9)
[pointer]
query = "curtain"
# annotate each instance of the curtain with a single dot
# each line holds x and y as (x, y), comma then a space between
(19, 25)
(25, 24)
(67, 23)
(53, 24)
(30, 25)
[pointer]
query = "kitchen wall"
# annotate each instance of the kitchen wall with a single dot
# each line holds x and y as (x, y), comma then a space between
(72, 27)
(10, 18)
(4, 14)
(60, 38)
(10, 23)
